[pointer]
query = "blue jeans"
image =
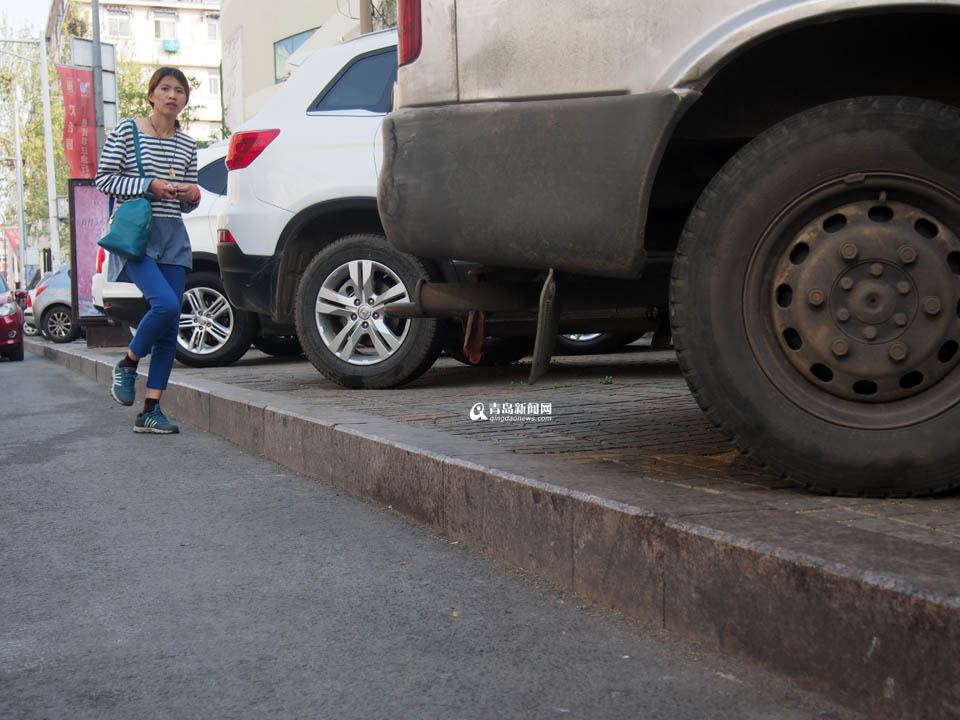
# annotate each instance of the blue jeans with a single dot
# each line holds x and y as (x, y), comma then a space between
(162, 286)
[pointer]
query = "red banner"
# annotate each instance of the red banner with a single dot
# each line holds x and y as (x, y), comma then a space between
(12, 236)
(79, 121)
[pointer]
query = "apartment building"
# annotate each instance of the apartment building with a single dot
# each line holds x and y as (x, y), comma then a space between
(180, 33)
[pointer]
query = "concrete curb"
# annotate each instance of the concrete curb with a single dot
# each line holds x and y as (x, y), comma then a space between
(864, 619)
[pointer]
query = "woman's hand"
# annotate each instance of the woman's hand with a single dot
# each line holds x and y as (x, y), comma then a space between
(188, 193)
(164, 189)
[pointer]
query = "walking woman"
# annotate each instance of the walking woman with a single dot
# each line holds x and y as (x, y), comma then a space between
(170, 165)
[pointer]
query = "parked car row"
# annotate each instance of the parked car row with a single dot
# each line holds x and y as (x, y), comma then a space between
(302, 263)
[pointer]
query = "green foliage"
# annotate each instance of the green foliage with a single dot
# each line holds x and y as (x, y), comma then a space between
(22, 77)
(606, 380)
(384, 14)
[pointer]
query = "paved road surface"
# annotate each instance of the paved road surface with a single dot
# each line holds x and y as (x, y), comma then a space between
(177, 577)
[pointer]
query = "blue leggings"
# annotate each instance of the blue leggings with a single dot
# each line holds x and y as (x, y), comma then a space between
(162, 286)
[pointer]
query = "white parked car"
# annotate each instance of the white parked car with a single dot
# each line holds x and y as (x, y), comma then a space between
(212, 331)
(300, 235)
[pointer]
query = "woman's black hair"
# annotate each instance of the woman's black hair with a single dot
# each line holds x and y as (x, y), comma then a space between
(158, 75)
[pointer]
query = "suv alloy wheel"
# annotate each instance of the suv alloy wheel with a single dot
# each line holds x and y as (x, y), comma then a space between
(340, 320)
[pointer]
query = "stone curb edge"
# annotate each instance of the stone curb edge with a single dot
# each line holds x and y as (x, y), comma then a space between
(883, 650)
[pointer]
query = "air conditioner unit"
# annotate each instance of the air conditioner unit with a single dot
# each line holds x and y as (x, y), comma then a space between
(171, 45)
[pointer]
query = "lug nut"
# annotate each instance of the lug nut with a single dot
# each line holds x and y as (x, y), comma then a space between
(849, 251)
(903, 287)
(907, 254)
(840, 348)
(846, 283)
(353, 316)
(816, 297)
(370, 301)
(931, 305)
(843, 314)
(898, 352)
(356, 301)
(870, 332)
(876, 269)
(900, 319)
(366, 324)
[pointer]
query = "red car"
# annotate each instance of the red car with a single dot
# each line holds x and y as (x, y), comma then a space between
(11, 324)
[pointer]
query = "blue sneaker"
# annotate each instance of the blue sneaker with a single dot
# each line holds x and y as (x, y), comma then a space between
(154, 422)
(123, 389)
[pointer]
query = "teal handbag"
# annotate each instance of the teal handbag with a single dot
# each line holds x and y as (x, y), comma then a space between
(129, 228)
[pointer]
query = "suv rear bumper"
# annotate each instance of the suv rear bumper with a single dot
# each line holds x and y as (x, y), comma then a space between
(250, 281)
(537, 183)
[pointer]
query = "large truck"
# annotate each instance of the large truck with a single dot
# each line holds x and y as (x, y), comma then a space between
(784, 176)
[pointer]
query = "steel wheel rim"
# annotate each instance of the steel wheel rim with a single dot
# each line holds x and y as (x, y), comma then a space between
(839, 261)
(206, 321)
(59, 324)
(349, 312)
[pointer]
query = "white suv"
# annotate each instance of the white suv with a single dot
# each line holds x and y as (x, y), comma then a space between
(300, 236)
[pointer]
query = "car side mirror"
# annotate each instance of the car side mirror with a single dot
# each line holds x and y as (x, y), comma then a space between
(20, 294)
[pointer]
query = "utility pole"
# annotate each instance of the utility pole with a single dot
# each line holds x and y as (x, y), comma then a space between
(16, 140)
(47, 140)
(366, 17)
(97, 72)
(53, 223)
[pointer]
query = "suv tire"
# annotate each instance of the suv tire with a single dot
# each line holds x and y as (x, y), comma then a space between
(212, 332)
(814, 298)
(363, 349)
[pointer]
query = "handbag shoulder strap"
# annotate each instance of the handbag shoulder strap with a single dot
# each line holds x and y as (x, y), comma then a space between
(136, 148)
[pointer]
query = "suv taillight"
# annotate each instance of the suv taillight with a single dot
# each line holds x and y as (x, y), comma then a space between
(245, 147)
(225, 236)
(409, 31)
(101, 256)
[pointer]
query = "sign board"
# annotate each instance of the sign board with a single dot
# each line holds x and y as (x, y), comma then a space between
(81, 54)
(88, 223)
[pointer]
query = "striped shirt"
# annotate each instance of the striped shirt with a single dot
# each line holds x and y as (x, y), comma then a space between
(117, 173)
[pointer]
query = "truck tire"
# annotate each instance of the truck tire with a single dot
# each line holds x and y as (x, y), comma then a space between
(212, 332)
(814, 298)
(339, 317)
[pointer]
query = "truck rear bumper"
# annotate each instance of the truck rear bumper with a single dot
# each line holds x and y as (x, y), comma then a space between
(536, 183)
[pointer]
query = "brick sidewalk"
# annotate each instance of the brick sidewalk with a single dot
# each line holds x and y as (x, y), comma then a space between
(630, 413)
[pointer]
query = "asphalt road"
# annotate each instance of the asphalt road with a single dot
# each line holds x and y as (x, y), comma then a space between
(148, 576)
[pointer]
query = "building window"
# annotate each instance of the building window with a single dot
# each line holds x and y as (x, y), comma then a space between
(213, 28)
(165, 26)
(283, 49)
(118, 24)
(213, 82)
